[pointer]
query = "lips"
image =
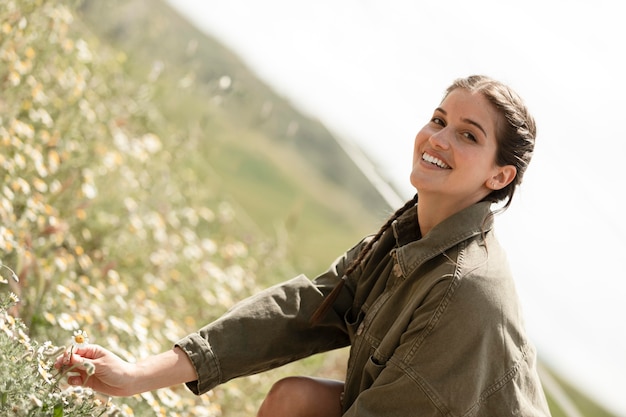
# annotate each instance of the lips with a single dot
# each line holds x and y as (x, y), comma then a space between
(435, 161)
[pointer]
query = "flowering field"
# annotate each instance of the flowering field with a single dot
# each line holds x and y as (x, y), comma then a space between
(99, 232)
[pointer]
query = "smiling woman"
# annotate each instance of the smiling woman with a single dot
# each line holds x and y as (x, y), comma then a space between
(425, 304)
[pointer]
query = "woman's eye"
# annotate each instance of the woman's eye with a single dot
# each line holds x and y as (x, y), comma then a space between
(437, 121)
(469, 136)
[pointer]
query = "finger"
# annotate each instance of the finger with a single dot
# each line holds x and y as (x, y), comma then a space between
(62, 360)
(58, 362)
(79, 377)
(89, 351)
(75, 380)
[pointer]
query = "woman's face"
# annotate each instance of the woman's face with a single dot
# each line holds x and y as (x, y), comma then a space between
(454, 154)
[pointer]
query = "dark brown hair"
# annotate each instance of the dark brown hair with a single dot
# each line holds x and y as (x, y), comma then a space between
(330, 298)
(516, 133)
(515, 146)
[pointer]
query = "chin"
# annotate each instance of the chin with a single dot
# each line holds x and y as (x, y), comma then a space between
(414, 178)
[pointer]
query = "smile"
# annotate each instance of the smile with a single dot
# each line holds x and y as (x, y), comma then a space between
(435, 161)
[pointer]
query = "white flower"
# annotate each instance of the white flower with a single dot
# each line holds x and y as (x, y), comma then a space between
(80, 338)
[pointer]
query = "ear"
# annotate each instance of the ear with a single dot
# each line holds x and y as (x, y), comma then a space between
(503, 177)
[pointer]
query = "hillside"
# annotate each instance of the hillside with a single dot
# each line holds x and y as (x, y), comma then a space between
(151, 181)
(279, 165)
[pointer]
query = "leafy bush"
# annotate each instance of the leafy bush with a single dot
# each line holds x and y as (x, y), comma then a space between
(30, 386)
(97, 222)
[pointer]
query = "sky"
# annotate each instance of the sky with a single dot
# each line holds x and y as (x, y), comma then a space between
(374, 70)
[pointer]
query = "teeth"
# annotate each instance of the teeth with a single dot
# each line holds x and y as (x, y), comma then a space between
(434, 161)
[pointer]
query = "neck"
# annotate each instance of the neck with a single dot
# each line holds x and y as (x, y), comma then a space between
(431, 212)
(425, 218)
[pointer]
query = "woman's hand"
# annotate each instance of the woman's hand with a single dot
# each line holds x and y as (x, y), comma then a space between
(96, 367)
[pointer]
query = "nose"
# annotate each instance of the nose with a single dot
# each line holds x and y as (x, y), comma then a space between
(440, 139)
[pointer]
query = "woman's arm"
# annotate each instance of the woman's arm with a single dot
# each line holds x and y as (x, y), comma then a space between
(105, 372)
(262, 332)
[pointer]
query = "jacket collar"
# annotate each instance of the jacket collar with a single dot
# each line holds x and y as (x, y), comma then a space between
(412, 250)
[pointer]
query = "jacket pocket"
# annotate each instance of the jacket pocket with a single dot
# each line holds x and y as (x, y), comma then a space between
(353, 323)
(372, 369)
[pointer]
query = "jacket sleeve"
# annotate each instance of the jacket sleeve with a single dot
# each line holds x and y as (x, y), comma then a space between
(268, 330)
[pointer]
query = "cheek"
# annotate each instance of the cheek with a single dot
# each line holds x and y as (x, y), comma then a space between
(416, 147)
(420, 138)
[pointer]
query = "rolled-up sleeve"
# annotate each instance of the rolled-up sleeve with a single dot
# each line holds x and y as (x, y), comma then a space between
(263, 332)
(270, 329)
(204, 361)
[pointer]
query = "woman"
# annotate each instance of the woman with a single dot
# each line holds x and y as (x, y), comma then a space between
(427, 305)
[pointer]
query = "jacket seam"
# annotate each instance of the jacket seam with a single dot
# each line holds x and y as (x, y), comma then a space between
(443, 305)
(423, 385)
(434, 398)
(500, 383)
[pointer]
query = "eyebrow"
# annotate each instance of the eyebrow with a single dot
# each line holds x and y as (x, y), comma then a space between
(470, 121)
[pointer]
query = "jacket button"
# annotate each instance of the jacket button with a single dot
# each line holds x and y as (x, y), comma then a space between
(359, 330)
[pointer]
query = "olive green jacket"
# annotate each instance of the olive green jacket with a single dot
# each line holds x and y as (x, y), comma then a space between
(434, 326)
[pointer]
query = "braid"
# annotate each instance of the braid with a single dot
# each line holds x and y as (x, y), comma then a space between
(366, 250)
(330, 298)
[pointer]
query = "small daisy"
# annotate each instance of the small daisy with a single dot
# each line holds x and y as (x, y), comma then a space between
(80, 339)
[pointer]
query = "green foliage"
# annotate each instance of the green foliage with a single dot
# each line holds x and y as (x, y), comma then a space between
(29, 385)
(98, 234)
